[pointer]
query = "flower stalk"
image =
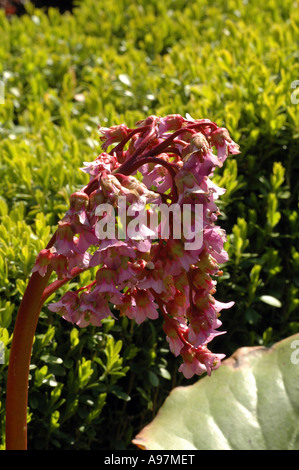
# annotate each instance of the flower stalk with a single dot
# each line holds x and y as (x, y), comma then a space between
(19, 362)
(162, 160)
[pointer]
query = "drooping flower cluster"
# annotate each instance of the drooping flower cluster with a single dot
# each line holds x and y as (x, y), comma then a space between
(147, 222)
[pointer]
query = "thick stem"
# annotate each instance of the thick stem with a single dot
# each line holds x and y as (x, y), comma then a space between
(19, 362)
(37, 292)
(19, 359)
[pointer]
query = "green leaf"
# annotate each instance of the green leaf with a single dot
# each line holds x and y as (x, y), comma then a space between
(51, 359)
(153, 378)
(250, 403)
(273, 216)
(252, 316)
(97, 409)
(277, 178)
(125, 79)
(85, 371)
(270, 300)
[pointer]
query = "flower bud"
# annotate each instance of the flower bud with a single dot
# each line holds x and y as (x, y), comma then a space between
(113, 134)
(110, 185)
(78, 201)
(219, 136)
(42, 261)
(96, 198)
(199, 143)
(171, 122)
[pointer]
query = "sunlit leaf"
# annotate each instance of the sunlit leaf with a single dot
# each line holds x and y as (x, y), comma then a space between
(250, 403)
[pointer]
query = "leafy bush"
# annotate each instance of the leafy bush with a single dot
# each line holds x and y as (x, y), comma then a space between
(109, 63)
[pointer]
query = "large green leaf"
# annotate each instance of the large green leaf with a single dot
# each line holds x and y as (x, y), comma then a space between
(250, 402)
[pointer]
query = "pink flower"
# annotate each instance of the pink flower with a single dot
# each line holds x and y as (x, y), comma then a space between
(94, 308)
(60, 264)
(191, 365)
(174, 331)
(104, 162)
(106, 280)
(176, 259)
(42, 262)
(224, 143)
(201, 331)
(113, 134)
(78, 260)
(178, 303)
(111, 253)
(198, 361)
(78, 205)
(86, 238)
(144, 271)
(67, 307)
(170, 122)
(139, 306)
(214, 238)
(153, 276)
(65, 243)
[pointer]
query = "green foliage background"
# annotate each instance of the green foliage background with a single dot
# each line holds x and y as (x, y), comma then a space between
(233, 62)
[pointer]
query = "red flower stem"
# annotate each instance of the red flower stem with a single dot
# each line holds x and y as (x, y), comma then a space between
(119, 147)
(54, 286)
(89, 286)
(37, 292)
(134, 161)
(138, 159)
(91, 186)
(34, 297)
(163, 145)
(19, 362)
(151, 135)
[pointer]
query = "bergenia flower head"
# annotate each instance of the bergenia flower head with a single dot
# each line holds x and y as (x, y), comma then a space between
(147, 222)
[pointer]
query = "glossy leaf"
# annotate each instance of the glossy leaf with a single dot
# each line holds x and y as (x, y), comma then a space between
(250, 403)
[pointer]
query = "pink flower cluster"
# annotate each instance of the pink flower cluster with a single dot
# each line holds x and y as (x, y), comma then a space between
(169, 160)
